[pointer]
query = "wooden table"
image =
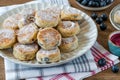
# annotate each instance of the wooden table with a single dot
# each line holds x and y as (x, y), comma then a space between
(102, 39)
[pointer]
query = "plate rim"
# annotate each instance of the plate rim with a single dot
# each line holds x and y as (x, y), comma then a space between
(51, 64)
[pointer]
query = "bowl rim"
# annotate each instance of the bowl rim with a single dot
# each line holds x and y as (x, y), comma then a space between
(94, 8)
(112, 34)
(110, 17)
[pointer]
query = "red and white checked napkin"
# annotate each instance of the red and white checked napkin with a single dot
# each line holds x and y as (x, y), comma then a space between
(77, 69)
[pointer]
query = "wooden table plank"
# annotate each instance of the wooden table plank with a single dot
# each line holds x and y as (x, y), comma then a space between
(2, 70)
(102, 39)
(11, 2)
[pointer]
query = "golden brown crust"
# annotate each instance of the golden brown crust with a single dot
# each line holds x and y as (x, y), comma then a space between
(70, 14)
(7, 38)
(48, 38)
(45, 56)
(12, 22)
(27, 34)
(47, 18)
(68, 28)
(25, 52)
(69, 44)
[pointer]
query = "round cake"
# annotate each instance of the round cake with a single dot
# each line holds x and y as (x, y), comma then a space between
(69, 44)
(27, 34)
(48, 56)
(27, 17)
(47, 18)
(25, 52)
(68, 28)
(7, 38)
(49, 38)
(12, 22)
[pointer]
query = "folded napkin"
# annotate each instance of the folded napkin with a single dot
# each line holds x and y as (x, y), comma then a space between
(77, 69)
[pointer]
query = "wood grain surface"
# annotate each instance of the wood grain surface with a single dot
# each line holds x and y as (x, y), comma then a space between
(102, 39)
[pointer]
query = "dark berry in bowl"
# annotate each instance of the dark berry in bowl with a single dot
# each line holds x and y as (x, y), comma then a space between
(99, 20)
(101, 62)
(115, 69)
(95, 5)
(104, 16)
(94, 15)
(103, 26)
(79, 1)
(108, 1)
(103, 3)
(84, 2)
(90, 3)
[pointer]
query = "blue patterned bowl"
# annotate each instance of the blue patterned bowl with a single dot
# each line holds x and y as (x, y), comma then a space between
(114, 43)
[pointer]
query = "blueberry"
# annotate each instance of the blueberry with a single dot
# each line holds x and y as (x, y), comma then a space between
(46, 59)
(97, 4)
(94, 15)
(101, 62)
(90, 4)
(94, 4)
(108, 1)
(104, 16)
(103, 3)
(111, 1)
(115, 69)
(103, 26)
(99, 20)
(84, 2)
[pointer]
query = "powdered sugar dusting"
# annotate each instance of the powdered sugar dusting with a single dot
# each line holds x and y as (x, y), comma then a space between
(27, 16)
(68, 24)
(30, 47)
(68, 40)
(26, 20)
(22, 21)
(48, 52)
(27, 31)
(49, 37)
(47, 15)
(28, 11)
(12, 21)
(70, 11)
(54, 10)
(6, 34)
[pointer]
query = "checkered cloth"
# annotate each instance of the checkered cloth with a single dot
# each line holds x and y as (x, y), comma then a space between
(77, 69)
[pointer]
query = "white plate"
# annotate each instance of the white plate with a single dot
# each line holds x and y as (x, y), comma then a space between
(93, 8)
(111, 16)
(87, 37)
